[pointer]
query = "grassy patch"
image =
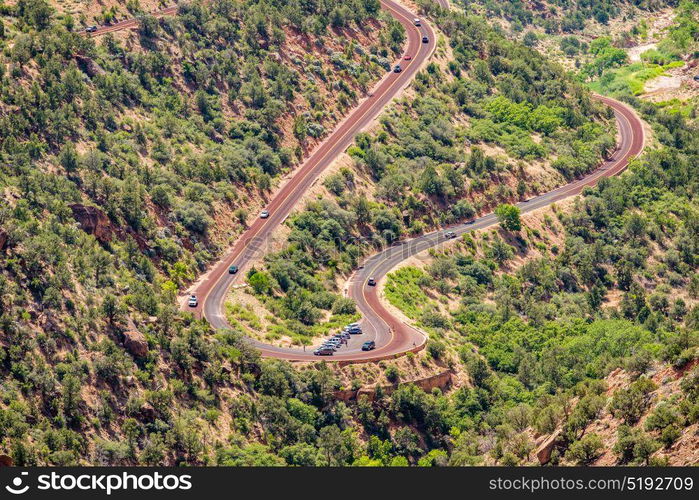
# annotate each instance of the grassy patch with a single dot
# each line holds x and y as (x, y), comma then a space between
(403, 290)
(630, 79)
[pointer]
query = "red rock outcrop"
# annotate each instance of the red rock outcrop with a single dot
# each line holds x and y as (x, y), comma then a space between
(543, 452)
(136, 343)
(93, 221)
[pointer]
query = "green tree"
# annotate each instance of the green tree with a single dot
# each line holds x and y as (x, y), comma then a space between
(509, 217)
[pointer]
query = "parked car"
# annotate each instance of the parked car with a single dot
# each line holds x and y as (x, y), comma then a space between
(323, 351)
(417, 22)
(193, 302)
(371, 282)
(355, 330)
(352, 325)
(91, 29)
(450, 234)
(369, 346)
(232, 269)
(425, 39)
(397, 68)
(696, 78)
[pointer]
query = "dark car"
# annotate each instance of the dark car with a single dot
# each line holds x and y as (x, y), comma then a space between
(469, 222)
(323, 351)
(369, 346)
(232, 269)
(425, 39)
(371, 282)
(397, 69)
(696, 78)
(91, 29)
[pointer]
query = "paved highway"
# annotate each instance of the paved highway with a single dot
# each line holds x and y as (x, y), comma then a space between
(212, 290)
(391, 334)
(394, 336)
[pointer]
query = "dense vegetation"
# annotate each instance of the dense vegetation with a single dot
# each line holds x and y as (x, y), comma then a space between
(609, 65)
(187, 130)
(557, 16)
(537, 334)
(179, 130)
(155, 139)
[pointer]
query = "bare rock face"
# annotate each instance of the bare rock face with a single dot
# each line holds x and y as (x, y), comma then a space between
(146, 413)
(89, 66)
(543, 452)
(93, 221)
(136, 343)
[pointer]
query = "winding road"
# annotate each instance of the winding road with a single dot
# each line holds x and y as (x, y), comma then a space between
(391, 334)
(213, 289)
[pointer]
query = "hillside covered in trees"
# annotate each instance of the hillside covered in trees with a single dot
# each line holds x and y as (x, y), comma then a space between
(130, 161)
(609, 284)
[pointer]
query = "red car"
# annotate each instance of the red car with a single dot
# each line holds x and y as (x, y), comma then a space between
(408, 57)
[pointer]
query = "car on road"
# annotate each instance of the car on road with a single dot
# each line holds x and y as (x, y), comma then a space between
(408, 57)
(91, 29)
(369, 346)
(450, 234)
(397, 69)
(264, 214)
(355, 330)
(469, 222)
(193, 301)
(425, 39)
(232, 269)
(323, 351)
(417, 22)
(371, 282)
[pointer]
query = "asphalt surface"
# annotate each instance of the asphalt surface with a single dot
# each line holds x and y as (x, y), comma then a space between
(128, 23)
(213, 289)
(391, 334)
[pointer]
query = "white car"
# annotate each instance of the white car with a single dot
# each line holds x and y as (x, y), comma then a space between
(193, 302)
(417, 22)
(264, 214)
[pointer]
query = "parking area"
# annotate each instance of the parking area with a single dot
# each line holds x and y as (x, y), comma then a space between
(350, 338)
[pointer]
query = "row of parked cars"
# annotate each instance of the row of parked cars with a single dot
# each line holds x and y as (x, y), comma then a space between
(335, 342)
